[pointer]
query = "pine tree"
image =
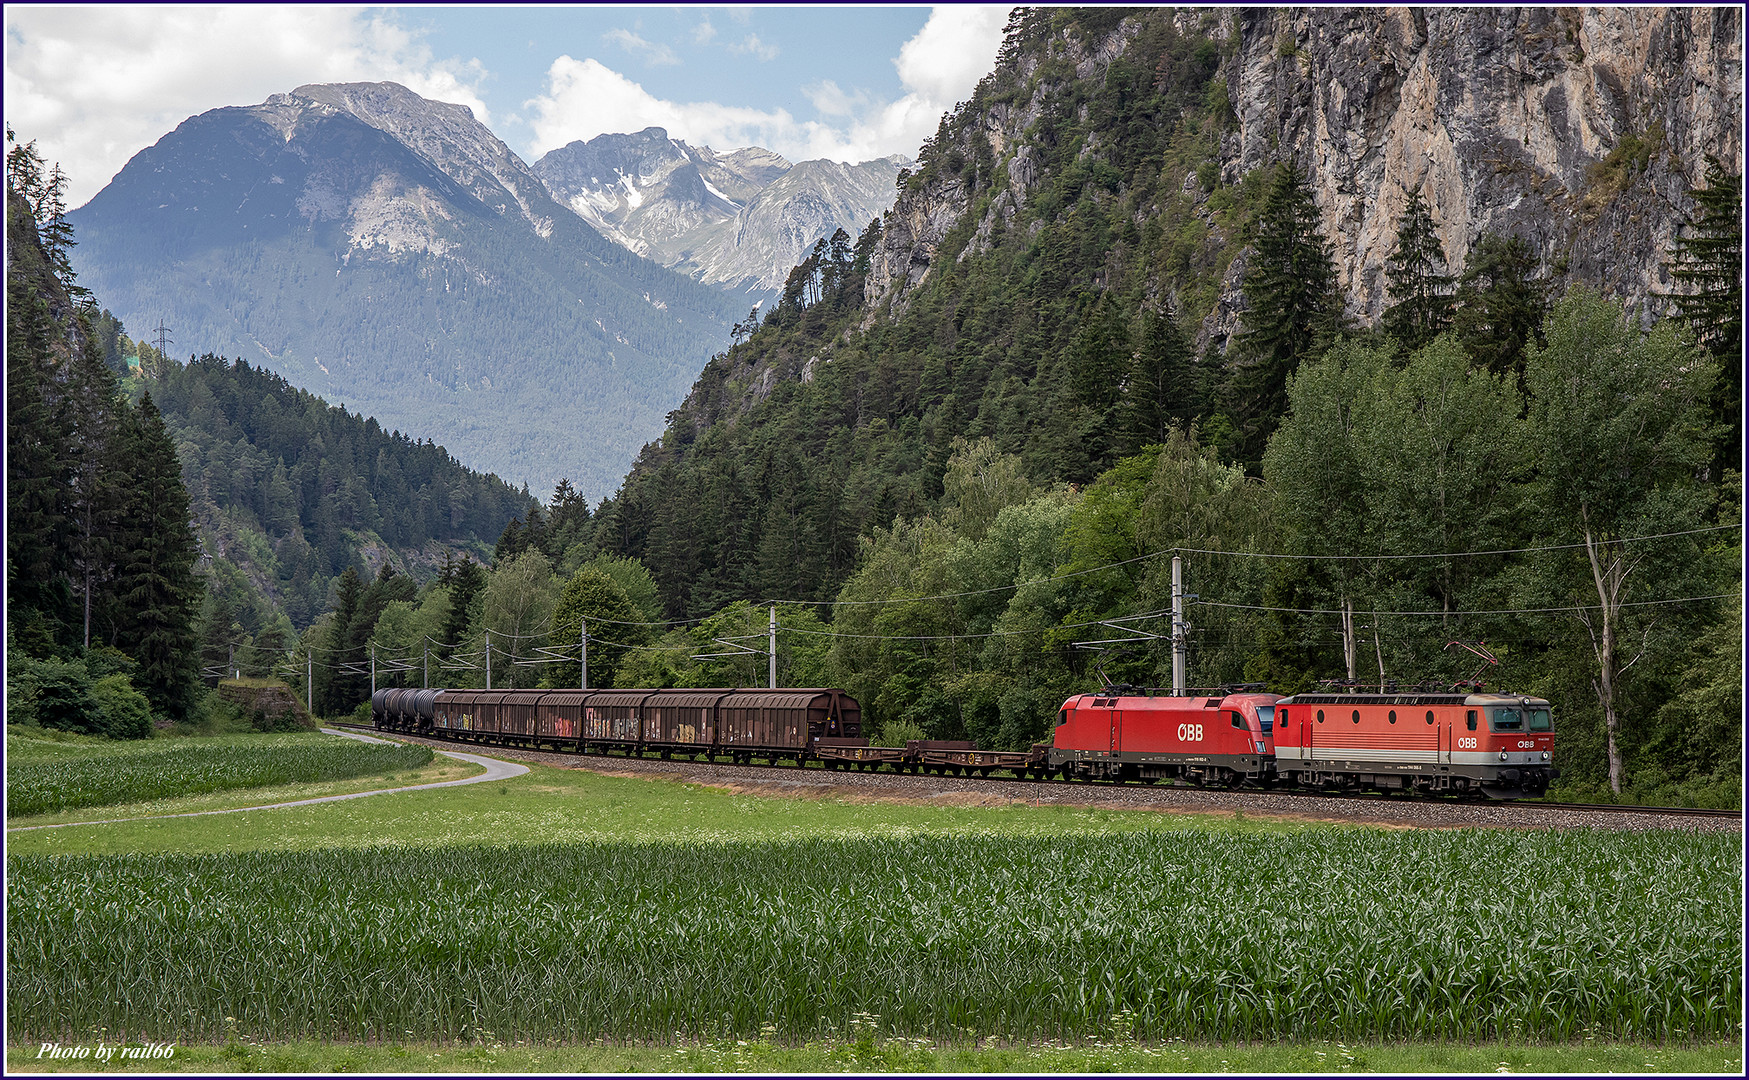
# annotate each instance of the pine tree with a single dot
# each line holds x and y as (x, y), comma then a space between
(1292, 307)
(1416, 279)
(1500, 303)
(156, 587)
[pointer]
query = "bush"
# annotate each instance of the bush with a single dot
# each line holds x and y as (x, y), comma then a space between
(52, 694)
(361, 715)
(900, 732)
(126, 714)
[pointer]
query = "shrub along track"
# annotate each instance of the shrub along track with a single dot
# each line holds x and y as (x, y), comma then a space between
(790, 782)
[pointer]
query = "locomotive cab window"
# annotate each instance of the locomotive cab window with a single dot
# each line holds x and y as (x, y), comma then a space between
(1238, 721)
(1506, 719)
(1539, 719)
(1266, 717)
(1470, 720)
(1062, 717)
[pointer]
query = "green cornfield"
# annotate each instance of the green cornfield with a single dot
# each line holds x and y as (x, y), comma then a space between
(140, 772)
(1321, 934)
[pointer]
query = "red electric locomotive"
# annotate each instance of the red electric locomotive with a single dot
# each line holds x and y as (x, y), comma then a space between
(1224, 739)
(1498, 744)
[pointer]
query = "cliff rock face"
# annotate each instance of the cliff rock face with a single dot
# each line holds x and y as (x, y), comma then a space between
(1580, 130)
(740, 219)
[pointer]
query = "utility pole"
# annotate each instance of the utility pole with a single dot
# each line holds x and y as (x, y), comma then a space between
(373, 673)
(425, 676)
(1178, 627)
(310, 682)
(583, 653)
(773, 657)
(488, 659)
(1348, 636)
(1378, 650)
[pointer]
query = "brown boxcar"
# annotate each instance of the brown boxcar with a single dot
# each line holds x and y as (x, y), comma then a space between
(615, 716)
(779, 720)
(683, 718)
(559, 715)
(453, 710)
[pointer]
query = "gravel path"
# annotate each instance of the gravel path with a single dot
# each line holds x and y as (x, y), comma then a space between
(822, 783)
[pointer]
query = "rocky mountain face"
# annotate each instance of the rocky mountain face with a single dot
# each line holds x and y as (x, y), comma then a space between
(740, 219)
(389, 252)
(1580, 130)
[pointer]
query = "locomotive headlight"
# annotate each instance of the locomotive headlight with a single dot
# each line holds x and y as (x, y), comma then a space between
(1502, 755)
(1545, 755)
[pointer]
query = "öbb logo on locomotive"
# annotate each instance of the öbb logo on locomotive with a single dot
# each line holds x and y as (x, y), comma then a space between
(1456, 742)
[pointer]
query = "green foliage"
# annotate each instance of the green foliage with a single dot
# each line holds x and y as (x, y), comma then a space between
(792, 939)
(592, 597)
(1619, 434)
(126, 712)
(1500, 303)
(1292, 308)
(1416, 279)
(1029, 330)
(292, 489)
(1709, 262)
(109, 777)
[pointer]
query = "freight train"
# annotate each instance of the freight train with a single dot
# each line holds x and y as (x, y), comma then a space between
(1497, 745)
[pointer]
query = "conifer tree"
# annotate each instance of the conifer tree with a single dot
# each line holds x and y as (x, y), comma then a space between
(156, 588)
(1416, 280)
(1709, 260)
(1292, 307)
(1500, 303)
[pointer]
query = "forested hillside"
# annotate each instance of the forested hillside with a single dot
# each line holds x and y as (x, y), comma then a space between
(290, 491)
(991, 398)
(101, 590)
(168, 521)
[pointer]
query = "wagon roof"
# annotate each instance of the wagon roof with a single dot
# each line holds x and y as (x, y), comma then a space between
(772, 699)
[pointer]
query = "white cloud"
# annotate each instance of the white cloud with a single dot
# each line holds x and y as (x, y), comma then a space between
(704, 32)
(752, 46)
(829, 100)
(585, 98)
(938, 67)
(75, 78)
(653, 52)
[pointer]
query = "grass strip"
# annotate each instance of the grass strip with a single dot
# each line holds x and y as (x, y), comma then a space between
(761, 1056)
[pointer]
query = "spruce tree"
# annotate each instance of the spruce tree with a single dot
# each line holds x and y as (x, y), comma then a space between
(157, 590)
(1709, 260)
(1416, 280)
(1292, 307)
(1500, 303)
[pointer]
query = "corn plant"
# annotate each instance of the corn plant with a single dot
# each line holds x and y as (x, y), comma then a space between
(1320, 935)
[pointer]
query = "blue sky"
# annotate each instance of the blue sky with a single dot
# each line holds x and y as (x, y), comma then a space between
(94, 87)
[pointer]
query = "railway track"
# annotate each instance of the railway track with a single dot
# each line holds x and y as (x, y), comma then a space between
(1316, 803)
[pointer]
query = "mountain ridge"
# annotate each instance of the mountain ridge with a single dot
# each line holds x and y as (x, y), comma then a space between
(740, 219)
(389, 252)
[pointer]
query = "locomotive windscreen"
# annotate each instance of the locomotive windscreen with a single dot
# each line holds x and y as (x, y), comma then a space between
(1266, 717)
